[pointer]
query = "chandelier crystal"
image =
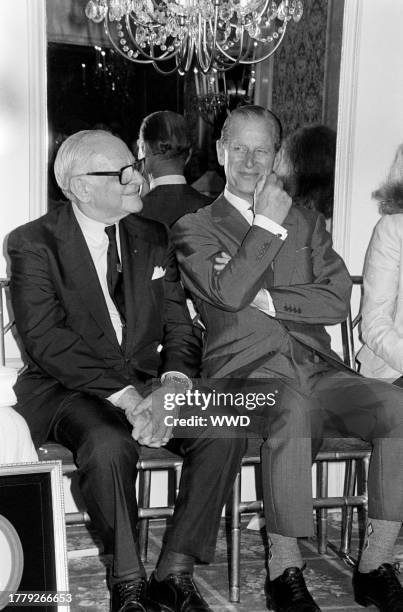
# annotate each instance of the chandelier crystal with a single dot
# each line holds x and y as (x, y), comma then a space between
(195, 33)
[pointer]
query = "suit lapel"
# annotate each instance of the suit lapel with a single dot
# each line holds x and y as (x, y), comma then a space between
(138, 258)
(230, 221)
(131, 252)
(77, 262)
(235, 227)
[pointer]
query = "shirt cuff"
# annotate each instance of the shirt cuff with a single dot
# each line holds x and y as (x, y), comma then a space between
(270, 226)
(271, 311)
(177, 377)
(115, 397)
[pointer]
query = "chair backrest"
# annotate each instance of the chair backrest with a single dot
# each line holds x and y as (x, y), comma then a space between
(347, 331)
(4, 328)
(347, 327)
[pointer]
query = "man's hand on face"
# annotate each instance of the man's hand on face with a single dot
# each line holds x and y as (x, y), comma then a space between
(148, 421)
(270, 199)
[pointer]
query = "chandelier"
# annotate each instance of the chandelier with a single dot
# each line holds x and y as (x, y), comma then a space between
(205, 34)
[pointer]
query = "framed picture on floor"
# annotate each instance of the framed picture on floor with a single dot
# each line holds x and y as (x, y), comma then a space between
(33, 558)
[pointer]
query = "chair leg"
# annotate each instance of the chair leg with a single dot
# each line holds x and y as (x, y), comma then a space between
(362, 511)
(178, 474)
(234, 569)
(144, 500)
(322, 478)
(347, 513)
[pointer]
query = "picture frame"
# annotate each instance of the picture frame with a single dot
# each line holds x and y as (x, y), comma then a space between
(33, 536)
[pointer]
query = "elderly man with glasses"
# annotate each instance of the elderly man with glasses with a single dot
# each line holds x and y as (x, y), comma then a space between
(101, 312)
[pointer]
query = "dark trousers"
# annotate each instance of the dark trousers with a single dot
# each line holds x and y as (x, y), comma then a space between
(98, 434)
(334, 404)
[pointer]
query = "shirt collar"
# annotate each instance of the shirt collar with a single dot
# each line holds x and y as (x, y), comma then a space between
(92, 229)
(168, 179)
(239, 203)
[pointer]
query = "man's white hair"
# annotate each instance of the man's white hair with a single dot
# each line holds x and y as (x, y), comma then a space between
(74, 155)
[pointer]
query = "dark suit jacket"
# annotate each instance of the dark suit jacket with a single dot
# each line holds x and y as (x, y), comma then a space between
(167, 203)
(64, 324)
(307, 280)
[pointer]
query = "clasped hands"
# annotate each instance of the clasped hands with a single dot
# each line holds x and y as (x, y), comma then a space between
(147, 415)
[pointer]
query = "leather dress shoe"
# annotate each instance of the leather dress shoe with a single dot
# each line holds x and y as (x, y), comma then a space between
(177, 593)
(131, 596)
(380, 588)
(288, 593)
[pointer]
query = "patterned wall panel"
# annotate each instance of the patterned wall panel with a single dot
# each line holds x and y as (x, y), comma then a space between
(299, 68)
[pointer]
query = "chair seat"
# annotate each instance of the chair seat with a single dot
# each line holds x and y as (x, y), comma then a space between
(344, 444)
(338, 446)
(149, 458)
(51, 451)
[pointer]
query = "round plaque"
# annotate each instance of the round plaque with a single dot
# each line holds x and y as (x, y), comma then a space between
(12, 560)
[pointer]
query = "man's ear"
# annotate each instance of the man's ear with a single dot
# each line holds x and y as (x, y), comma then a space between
(80, 188)
(220, 152)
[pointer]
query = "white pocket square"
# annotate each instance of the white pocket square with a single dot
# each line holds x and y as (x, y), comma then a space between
(158, 272)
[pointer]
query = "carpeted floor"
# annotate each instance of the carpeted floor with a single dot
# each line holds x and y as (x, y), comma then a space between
(328, 578)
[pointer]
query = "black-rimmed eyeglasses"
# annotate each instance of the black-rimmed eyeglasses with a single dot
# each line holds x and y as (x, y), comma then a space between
(125, 174)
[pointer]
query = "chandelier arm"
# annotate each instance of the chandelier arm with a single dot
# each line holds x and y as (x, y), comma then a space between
(165, 72)
(185, 51)
(269, 54)
(264, 9)
(150, 57)
(260, 13)
(241, 58)
(234, 60)
(201, 49)
(119, 50)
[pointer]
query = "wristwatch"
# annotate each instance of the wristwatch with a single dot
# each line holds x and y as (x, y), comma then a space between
(177, 378)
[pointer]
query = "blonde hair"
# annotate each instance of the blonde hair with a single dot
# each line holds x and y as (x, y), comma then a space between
(390, 193)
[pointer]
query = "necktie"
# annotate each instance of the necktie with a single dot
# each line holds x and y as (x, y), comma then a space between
(114, 275)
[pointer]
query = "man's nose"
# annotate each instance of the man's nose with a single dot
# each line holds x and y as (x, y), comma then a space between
(250, 159)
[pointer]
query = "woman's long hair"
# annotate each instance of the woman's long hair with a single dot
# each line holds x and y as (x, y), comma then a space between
(390, 193)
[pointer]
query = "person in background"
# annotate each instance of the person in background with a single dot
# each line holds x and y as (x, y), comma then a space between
(266, 280)
(382, 305)
(164, 146)
(211, 182)
(310, 153)
(101, 313)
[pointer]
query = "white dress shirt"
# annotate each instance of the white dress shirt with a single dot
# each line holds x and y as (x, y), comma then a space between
(168, 179)
(98, 242)
(245, 208)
